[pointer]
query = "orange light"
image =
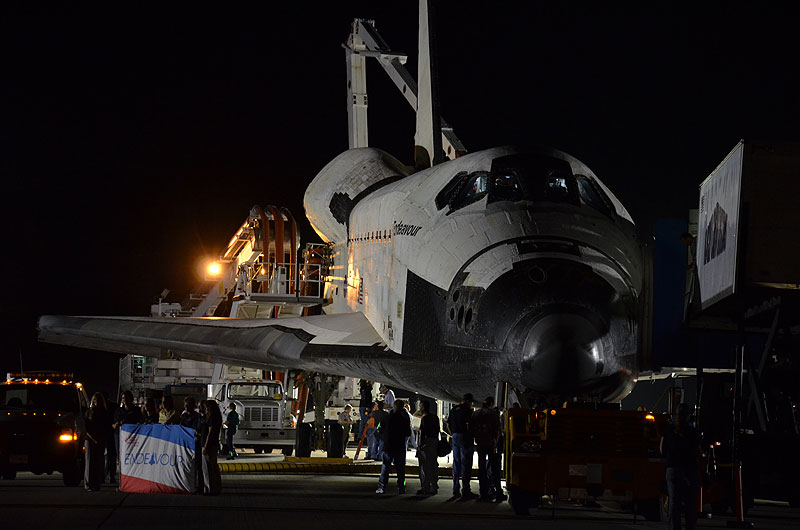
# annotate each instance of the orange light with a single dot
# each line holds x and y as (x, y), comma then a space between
(650, 417)
(717, 443)
(553, 412)
(214, 269)
(64, 438)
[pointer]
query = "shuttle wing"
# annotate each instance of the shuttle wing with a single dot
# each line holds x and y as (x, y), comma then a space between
(344, 344)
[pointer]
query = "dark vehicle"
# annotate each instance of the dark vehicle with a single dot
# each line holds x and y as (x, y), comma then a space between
(41, 425)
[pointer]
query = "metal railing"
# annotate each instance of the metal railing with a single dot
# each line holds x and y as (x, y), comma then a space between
(300, 280)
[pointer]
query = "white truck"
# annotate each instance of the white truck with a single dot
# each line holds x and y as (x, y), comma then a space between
(265, 419)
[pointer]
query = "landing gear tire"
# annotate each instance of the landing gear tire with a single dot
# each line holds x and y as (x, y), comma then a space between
(303, 442)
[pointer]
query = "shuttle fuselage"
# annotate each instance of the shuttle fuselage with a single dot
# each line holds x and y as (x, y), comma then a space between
(497, 266)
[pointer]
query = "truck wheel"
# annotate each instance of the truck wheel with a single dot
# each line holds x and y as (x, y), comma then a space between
(287, 451)
(519, 500)
(9, 475)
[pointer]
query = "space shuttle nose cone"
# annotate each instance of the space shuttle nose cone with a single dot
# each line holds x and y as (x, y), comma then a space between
(563, 353)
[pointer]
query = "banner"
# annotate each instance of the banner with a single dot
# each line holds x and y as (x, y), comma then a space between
(156, 459)
(718, 228)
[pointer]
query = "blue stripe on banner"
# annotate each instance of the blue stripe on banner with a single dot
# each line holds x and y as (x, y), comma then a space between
(177, 434)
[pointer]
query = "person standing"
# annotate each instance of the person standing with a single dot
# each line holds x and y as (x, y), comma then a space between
(485, 428)
(412, 439)
(232, 424)
(346, 420)
(378, 416)
(191, 418)
(126, 414)
(210, 434)
(394, 430)
(680, 444)
(364, 405)
(111, 444)
(167, 415)
(458, 423)
(369, 436)
(388, 397)
(149, 411)
(98, 431)
(495, 462)
(429, 429)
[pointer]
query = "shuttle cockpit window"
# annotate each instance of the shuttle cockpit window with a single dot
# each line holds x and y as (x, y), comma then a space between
(444, 197)
(557, 190)
(593, 195)
(475, 187)
(464, 189)
(505, 187)
(536, 178)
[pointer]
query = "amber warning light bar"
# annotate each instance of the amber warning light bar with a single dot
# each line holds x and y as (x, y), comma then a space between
(39, 377)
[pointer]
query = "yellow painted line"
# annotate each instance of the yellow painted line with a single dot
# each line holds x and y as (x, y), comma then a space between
(335, 468)
(317, 460)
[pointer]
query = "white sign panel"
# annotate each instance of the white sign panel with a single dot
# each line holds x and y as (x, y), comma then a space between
(718, 226)
(156, 459)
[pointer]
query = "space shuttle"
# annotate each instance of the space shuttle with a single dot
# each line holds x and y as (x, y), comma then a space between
(506, 265)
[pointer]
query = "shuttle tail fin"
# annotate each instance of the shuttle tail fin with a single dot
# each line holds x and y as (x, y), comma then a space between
(428, 137)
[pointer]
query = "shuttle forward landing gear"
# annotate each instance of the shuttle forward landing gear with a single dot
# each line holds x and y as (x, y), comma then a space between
(315, 435)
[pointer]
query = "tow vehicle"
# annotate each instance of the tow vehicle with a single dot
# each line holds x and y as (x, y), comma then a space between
(585, 453)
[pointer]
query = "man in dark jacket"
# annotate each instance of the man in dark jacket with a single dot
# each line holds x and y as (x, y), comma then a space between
(680, 444)
(485, 428)
(111, 443)
(427, 452)
(458, 423)
(394, 430)
(128, 413)
(191, 418)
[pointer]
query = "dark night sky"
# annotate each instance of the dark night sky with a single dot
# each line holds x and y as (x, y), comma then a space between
(136, 141)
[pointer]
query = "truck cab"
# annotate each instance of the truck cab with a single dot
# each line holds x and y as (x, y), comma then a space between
(265, 422)
(42, 425)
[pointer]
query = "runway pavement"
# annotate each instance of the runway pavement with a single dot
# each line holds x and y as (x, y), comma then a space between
(265, 501)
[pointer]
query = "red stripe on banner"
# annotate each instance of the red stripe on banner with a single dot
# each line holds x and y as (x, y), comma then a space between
(130, 484)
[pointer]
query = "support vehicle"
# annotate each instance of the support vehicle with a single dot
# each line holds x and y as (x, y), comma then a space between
(265, 419)
(585, 454)
(42, 425)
